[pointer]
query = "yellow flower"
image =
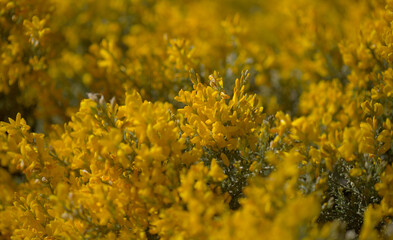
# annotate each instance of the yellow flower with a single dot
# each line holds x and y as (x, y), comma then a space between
(216, 171)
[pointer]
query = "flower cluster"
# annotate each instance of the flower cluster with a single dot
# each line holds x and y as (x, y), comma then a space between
(226, 119)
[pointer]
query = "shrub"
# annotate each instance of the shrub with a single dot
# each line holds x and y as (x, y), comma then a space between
(196, 119)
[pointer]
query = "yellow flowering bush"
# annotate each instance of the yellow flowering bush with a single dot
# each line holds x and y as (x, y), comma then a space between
(140, 119)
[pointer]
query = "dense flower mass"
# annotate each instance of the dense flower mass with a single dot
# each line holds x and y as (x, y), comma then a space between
(173, 119)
